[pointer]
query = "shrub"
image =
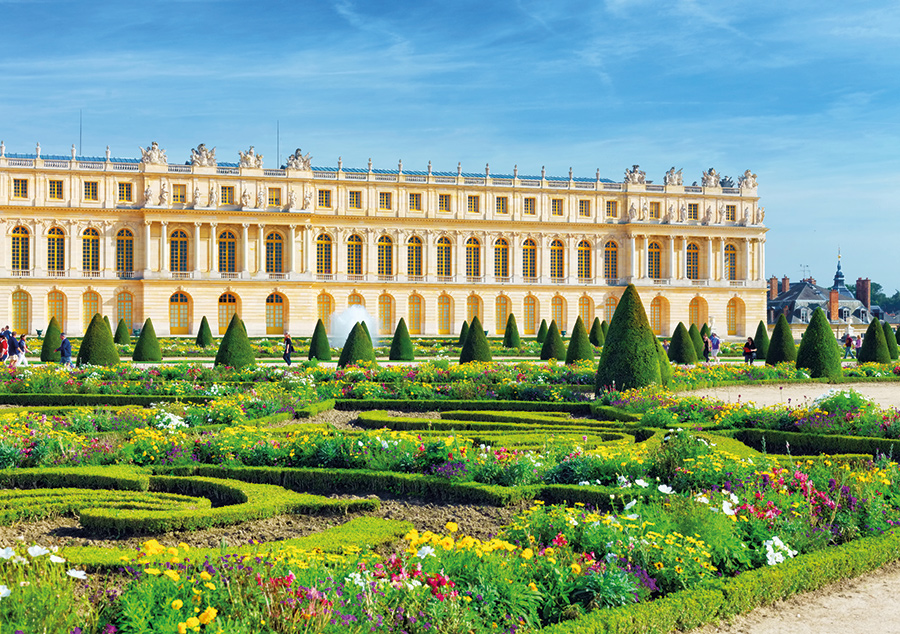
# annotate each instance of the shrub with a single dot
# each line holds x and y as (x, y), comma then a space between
(147, 346)
(761, 339)
(597, 335)
(897, 336)
(52, 341)
(476, 346)
(542, 332)
(319, 347)
(605, 327)
(401, 345)
(123, 334)
(697, 338)
(463, 333)
(204, 334)
(365, 328)
(511, 337)
(681, 348)
(874, 346)
(108, 325)
(235, 349)
(553, 347)
(630, 356)
(580, 347)
(357, 349)
(891, 340)
(704, 330)
(781, 347)
(666, 371)
(819, 352)
(97, 347)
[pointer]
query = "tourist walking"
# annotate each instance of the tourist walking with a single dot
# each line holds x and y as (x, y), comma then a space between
(749, 351)
(848, 346)
(17, 355)
(65, 351)
(858, 345)
(715, 344)
(288, 349)
(706, 349)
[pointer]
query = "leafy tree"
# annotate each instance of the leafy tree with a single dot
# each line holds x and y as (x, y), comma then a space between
(401, 344)
(476, 347)
(553, 347)
(681, 348)
(463, 333)
(52, 341)
(123, 333)
(891, 340)
(605, 327)
(761, 339)
(319, 347)
(819, 352)
(704, 330)
(697, 338)
(597, 335)
(542, 332)
(147, 346)
(357, 349)
(874, 346)
(580, 347)
(630, 358)
(365, 328)
(511, 337)
(666, 371)
(235, 349)
(204, 334)
(781, 346)
(897, 335)
(97, 347)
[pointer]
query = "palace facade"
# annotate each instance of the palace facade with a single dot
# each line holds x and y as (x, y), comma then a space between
(142, 237)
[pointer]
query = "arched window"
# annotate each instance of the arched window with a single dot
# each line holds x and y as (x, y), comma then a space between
(693, 262)
(56, 250)
(228, 308)
(90, 251)
(501, 259)
(227, 253)
(444, 261)
(586, 311)
(125, 308)
(445, 318)
(178, 251)
(274, 253)
(473, 309)
(558, 312)
(56, 307)
(654, 253)
(20, 312)
(730, 262)
(529, 259)
(609, 308)
(385, 314)
(90, 306)
(502, 309)
(385, 256)
(473, 258)
(275, 314)
(355, 299)
(734, 316)
(124, 252)
(656, 310)
(354, 255)
(584, 260)
(697, 312)
(557, 260)
(415, 314)
(611, 261)
(21, 256)
(179, 314)
(530, 307)
(323, 256)
(414, 255)
(325, 308)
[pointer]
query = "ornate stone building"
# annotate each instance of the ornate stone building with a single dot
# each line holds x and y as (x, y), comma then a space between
(138, 238)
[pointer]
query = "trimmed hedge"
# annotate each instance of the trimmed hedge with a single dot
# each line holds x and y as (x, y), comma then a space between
(776, 442)
(319, 346)
(114, 477)
(97, 347)
(681, 347)
(204, 334)
(874, 347)
(893, 349)
(542, 332)
(346, 404)
(122, 335)
(401, 344)
(819, 351)
(511, 338)
(476, 347)
(147, 346)
(630, 358)
(580, 348)
(781, 347)
(597, 335)
(761, 339)
(697, 339)
(553, 347)
(358, 347)
(52, 341)
(235, 349)
(463, 333)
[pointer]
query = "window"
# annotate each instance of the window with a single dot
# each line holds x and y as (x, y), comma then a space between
(501, 313)
(502, 205)
(90, 306)
(125, 308)
(473, 309)
(126, 192)
(91, 191)
(531, 314)
(355, 200)
(354, 255)
(529, 259)
(443, 202)
(530, 206)
(56, 190)
(385, 314)
(384, 201)
(20, 188)
(20, 312)
(556, 207)
(730, 262)
(693, 262)
(124, 251)
(56, 241)
(501, 259)
(654, 211)
(385, 256)
(611, 261)
(444, 263)
(693, 211)
(584, 208)
(274, 196)
(228, 304)
(414, 255)
(694, 312)
(56, 307)
(732, 309)
(653, 261)
(656, 315)
(609, 308)
(20, 249)
(558, 312)
(274, 314)
(415, 202)
(227, 252)
(444, 318)
(586, 311)
(179, 194)
(227, 195)
(90, 251)
(473, 258)
(584, 260)
(178, 252)
(325, 308)
(612, 209)
(323, 256)
(274, 253)
(324, 200)
(474, 204)
(415, 314)
(557, 261)
(355, 299)
(730, 213)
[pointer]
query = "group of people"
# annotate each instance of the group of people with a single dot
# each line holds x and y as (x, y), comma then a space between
(13, 349)
(852, 345)
(711, 345)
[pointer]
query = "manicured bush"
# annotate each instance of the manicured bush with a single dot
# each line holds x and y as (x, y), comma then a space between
(108, 325)
(204, 334)
(542, 332)
(782, 347)
(401, 344)
(897, 335)
(891, 340)
(319, 347)
(235, 349)
(357, 349)
(666, 371)
(365, 328)
(874, 346)
(97, 347)
(761, 339)
(697, 338)
(681, 348)
(597, 334)
(463, 333)
(52, 341)
(511, 337)
(147, 346)
(630, 356)
(123, 333)
(605, 327)
(553, 347)
(476, 346)
(819, 352)
(704, 330)
(580, 347)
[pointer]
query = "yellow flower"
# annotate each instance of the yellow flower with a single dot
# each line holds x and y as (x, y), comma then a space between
(182, 628)
(174, 576)
(210, 586)
(527, 553)
(208, 615)
(576, 569)
(152, 571)
(205, 576)
(532, 586)
(192, 622)
(176, 604)
(452, 527)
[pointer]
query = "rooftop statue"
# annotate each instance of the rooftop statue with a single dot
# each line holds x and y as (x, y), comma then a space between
(747, 181)
(635, 176)
(726, 181)
(203, 157)
(251, 159)
(297, 161)
(153, 155)
(710, 178)
(673, 178)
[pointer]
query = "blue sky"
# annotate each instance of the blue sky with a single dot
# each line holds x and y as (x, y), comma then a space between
(803, 93)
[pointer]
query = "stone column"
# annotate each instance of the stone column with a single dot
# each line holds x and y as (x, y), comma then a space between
(748, 259)
(684, 259)
(673, 266)
(73, 238)
(720, 259)
(261, 251)
(163, 251)
(761, 256)
(146, 248)
(196, 258)
(292, 249)
(213, 248)
(245, 249)
(710, 264)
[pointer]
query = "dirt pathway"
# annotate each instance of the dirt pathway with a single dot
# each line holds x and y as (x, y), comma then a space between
(885, 394)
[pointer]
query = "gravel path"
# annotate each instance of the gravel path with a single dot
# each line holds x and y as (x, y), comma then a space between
(885, 394)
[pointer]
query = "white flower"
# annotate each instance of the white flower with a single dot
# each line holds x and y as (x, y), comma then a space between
(630, 505)
(623, 482)
(56, 559)
(633, 516)
(726, 508)
(734, 498)
(665, 488)
(584, 483)
(702, 499)
(425, 551)
(37, 551)
(78, 574)
(642, 483)
(4, 592)
(7, 553)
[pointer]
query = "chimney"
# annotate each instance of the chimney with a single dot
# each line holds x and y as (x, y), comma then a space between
(833, 305)
(785, 284)
(773, 287)
(864, 291)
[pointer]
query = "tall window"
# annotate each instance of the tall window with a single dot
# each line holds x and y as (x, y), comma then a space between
(654, 252)
(584, 260)
(474, 204)
(556, 207)
(612, 209)
(443, 202)
(355, 200)
(444, 318)
(473, 257)
(126, 192)
(325, 308)
(384, 201)
(323, 255)
(90, 250)
(324, 199)
(529, 258)
(531, 315)
(179, 193)
(354, 255)
(695, 312)
(355, 299)
(56, 190)
(56, 249)
(414, 255)
(125, 308)
(274, 196)
(656, 307)
(654, 211)
(228, 304)
(530, 206)
(733, 315)
(415, 202)
(611, 260)
(558, 312)
(56, 307)
(90, 306)
(584, 208)
(586, 310)
(609, 308)
(20, 312)
(730, 213)
(501, 258)
(21, 256)
(125, 251)
(385, 314)
(274, 314)
(502, 205)
(227, 253)
(501, 309)
(274, 253)
(444, 263)
(178, 252)
(179, 314)
(20, 188)
(693, 211)
(415, 314)
(226, 195)
(385, 256)
(473, 309)
(693, 262)
(557, 260)
(730, 262)
(91, 192)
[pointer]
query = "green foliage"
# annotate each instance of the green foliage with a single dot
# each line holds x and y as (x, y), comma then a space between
(782, 347)
(605, 327)
(123, 334)
(511, 337)
(204, 334)
(553, 347)
(597, 335)
(52, 341)
(891, 340)
(463, 333)
(542, 332)
(476, 347)
(580, 348)
(319, 347)
(666, 371)
(630, 356)
(761, 339)
(97, 347)
(681, 347)
(401, 345)
(704, 330)
(897, 335)
(697, 339)
(108, 325)
(365, 328)
(235, 349)
(819, 352)
(874, 346)
(147, 346)
(357, 349)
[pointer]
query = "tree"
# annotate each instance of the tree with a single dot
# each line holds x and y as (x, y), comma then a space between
(666, 371)
(476, 347)
(553, 347)
(123, 334)
(108, 325)
(319, 347)
(542, 332)
(401, 344)
(97, 347)
(704, 330)
(204, 334)
(681, 348)
(52, 341)
(147, 346)
(761, 339)
(897, 335)
(597, 336)
(365, 328)
(580, 347)
(630, 358)
(235, 349)
(819, 352)
(605, 327)
(697, 338)
(891, 340)
(357, 349)
(463, 333)
(874, 346)
(781, 346)
(511, 337)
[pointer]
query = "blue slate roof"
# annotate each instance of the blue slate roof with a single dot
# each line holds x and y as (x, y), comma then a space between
(68, 157)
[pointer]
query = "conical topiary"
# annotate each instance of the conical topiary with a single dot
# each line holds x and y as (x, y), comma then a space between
(108, 325)
(357, 349)
(235, 349)
(630, 358)
(893, 349)
(819, 352)
(553, 347)
(319, 346)
(476, 347)
(52, 341)
(463, 333)
(697, 338)
(596, 335)
(542, 332)
(365, 328)
(874, 346)
(681, 348)
(123, 334)
(605, 327)
(401, 345)
(147, 346)
(97, 347)
(580, 348)
(897, 335)
(666, 371)
(511, 337)
(761, 339)
(704, 330)
(204, 334)
(781, 347)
